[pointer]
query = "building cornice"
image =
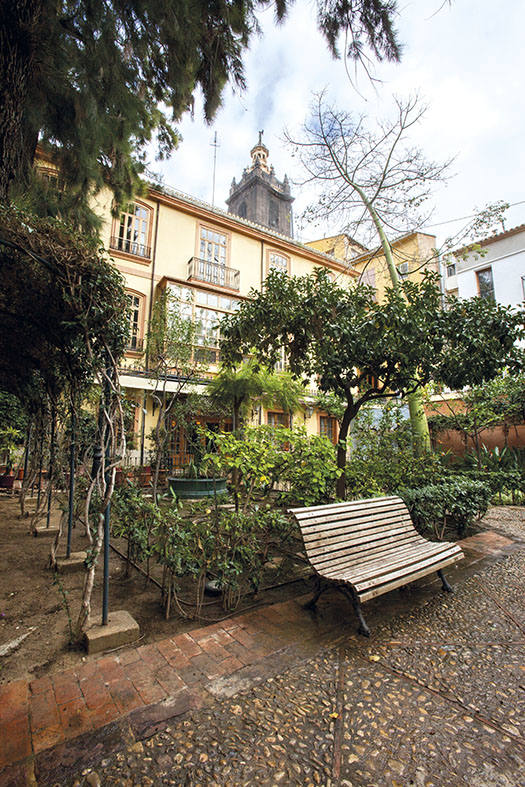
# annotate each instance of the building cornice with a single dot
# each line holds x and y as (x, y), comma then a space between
(491, 239)
(205, 212)
(201, 285)
(371, 253)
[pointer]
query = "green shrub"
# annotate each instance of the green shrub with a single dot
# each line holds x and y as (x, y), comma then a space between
(507, 485)
(134, 518)
(309, 469)
(229, 546)
(456, 503)
(301, 467)
(498, 480)
(383, 460)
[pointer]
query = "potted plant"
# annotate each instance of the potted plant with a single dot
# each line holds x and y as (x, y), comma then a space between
(195, 482)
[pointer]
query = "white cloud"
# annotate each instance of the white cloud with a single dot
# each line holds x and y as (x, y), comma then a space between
(466, 58)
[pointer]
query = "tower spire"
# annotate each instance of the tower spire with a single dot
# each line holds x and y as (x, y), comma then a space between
(260, 196)
(259, 154)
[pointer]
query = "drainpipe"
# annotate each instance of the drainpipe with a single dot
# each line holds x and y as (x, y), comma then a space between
(262, 263)
(146, 360)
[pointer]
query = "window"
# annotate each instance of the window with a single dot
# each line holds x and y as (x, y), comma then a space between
(274, 213)
(451, 269)
(523, 287)
(48, 175)
(243, 210)
(278, 419)
(485, 284)
(213, 246)
(328, 427)
(278, 262)
(210, 263)
(206, 309)
(280, 365)
(207, 327)
(368, 276)
(132, 234)
(135, 340)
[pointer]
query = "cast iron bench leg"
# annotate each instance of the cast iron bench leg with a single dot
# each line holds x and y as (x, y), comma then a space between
(446, 586)
(318, 591)
(354, 598)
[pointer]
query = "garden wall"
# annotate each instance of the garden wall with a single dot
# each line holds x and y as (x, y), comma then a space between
(452, 440)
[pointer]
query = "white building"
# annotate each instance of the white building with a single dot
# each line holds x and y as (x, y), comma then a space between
(496, 271)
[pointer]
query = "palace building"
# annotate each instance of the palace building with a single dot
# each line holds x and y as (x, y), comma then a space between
(210, 259)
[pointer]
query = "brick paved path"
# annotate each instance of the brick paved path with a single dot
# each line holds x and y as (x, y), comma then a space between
(109, 702)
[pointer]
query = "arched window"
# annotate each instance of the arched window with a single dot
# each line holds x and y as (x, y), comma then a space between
(274, 213)
(243, 211)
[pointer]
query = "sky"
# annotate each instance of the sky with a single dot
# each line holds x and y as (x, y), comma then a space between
(466, 60)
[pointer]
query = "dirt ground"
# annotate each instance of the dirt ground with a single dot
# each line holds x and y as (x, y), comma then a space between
(31, 603)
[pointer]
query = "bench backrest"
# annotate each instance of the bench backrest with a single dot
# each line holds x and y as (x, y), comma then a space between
(352, 532)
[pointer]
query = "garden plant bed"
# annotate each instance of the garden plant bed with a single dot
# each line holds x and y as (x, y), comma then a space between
(30, 602)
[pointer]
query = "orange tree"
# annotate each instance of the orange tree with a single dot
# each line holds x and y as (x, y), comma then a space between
(365, 351)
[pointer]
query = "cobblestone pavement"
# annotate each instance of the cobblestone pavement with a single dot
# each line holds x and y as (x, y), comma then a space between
(435, 697)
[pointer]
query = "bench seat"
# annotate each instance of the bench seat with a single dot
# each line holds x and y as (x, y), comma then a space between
(369, 547)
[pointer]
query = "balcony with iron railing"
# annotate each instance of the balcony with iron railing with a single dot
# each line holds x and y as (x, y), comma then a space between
(213, 273)
(130, 247)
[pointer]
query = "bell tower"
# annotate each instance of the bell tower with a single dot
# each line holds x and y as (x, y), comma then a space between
(259, 196)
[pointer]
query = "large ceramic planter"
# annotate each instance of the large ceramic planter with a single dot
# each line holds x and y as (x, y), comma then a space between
(6, 481)
(194, 488)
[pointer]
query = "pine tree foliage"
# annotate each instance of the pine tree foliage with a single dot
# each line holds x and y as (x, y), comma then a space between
(96, 81)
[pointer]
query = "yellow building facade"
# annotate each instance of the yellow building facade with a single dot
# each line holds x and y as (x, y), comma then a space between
(211, 259)
(414, 254)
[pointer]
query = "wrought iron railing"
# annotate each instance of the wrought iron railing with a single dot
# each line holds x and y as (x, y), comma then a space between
(213, 273)
(129, 246)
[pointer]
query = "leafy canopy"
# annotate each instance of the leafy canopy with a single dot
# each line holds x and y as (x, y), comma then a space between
(97, 81)
(63, 308)
(243, 388)
(361, 350)
(346, 338)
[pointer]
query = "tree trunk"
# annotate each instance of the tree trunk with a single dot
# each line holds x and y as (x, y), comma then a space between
(159, 444)
(340, 488)
(89, 581)
(477, 446)
(22, 31)
(419, 423)
(418, 418)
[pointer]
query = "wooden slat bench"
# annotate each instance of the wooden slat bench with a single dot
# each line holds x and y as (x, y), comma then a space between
(368, 547)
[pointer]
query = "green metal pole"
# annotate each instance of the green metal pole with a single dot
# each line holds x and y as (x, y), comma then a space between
(107, 513)
(51, 466)
(71, 483)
